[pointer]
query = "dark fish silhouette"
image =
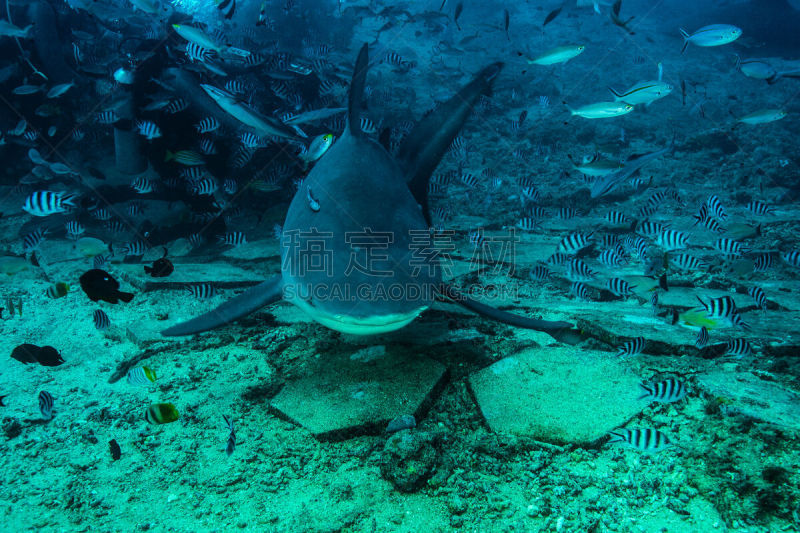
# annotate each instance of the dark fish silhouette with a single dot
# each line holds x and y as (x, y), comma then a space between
(30, 353)
(161, 267)
(116, 452)
(459, 9)
(99, 285)
(618, 21)
(551, 16)
(2, 404)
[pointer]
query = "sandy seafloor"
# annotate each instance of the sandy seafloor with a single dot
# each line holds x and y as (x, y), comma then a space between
(736, 466)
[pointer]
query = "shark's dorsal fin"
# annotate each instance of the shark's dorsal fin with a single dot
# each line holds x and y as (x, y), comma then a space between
(427, 143)
(357, 92)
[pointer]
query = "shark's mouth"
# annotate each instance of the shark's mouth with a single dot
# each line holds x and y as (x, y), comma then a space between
(353, 325)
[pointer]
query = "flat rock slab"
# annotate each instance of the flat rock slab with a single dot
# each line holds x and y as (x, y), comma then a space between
(222, 275)
(557, 395)
(749, 395)
(358, 392)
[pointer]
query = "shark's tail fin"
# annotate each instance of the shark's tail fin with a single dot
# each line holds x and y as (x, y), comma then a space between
(356, 94)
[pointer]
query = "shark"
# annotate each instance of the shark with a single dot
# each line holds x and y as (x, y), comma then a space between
(355, 252)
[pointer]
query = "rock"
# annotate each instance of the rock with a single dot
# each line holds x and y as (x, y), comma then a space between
(408, 460)
(11, 427)
(557, 395)
(746, 394)
(400, 423)
(340, 397)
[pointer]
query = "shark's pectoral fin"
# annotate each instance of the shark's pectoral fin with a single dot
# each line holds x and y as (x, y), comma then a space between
(249, 301)
(556, 330)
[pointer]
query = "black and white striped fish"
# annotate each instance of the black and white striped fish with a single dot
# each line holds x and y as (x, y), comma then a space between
(396, 60)
(476, 238)
(100, 319)
(619, 287)
(176, 106)
(77, 55)
(107, 117)
(671, 239)
(135, 248)
(558, 259)
(32, 240)
(230, 186)
(74, 228)
(368, 126)
(195, 239)
(527, 223)
(666, 391)
(616, 218)
(235, 87)
(631, 347)
(116, 226)
(646, 211)
(577, 270)
(566, 213)
(687, 262)
(536, 212)
(611, 258)
(205, 187)
(202, 290)
(100, 261)
(135, 209)
(738, 347)
(760, 208)
(233, 238)
(650, 229)
(207, 125)
(641, 247)
(645, 440)
(729, 247)
(250, 140)
(231, 444)
(724, 307)
(207, 147)
(242, 157)
(46, 402)
(758, 295)
(101, 213)
(702, 338)
(712, 225)
(792, 258)
(45, 203)
(575, 242)
(148, 129)
(715, 207)
(579, 290)
(142, 185)
(195, 52)
(763, 262)
(702, 214)
(540, 273)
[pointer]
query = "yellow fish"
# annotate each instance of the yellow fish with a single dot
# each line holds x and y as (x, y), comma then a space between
(142, 375)
(161, 413)
(698, 318)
